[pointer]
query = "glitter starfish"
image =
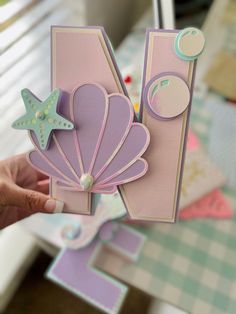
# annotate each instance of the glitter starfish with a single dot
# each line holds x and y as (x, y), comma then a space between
(42, 117)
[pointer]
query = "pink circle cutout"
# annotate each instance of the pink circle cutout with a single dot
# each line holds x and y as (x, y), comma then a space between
(168, 96)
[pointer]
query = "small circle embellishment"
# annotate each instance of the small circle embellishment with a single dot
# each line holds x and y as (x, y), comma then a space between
(40, 115)
(189, 43)
(167, 96)
(86, 181)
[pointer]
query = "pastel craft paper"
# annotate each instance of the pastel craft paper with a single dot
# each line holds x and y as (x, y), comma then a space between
(212, 205)
(102, 151)
(105, 147)
(75, 269)
(98, 147)
(165, 107)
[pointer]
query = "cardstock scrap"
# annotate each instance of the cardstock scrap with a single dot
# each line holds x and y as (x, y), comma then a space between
(212, 205)
(75, 270)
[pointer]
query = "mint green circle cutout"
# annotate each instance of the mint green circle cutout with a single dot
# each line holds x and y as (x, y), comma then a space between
(178, 38)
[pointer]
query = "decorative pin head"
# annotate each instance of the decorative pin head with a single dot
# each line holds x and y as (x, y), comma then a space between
(42, 117)
(86, 181)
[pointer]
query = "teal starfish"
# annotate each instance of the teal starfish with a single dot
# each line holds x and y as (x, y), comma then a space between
(42, 117)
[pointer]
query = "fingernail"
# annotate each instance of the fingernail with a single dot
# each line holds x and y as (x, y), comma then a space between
(54, 206)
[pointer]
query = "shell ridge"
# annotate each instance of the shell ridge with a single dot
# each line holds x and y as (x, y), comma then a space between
(77, 147)
(137, 157)
(75, 135)
(28, 156)
(103, 190)
(89, 150)
(64, 157)
(45, 159)
(129, 179)
(121, 141)
(119, 172)
(100, 137)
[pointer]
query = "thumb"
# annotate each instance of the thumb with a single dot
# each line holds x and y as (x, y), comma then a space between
(31, 200)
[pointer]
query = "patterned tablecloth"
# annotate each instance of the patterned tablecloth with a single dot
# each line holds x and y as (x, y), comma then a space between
(191, 265)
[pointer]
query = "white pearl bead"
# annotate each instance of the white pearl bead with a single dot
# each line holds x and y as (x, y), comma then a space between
(86, 181)
(40, 115)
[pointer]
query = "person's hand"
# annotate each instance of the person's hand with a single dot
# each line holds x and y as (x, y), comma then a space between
(23, 191)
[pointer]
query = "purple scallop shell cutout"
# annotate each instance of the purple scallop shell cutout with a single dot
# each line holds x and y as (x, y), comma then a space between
(105, 142)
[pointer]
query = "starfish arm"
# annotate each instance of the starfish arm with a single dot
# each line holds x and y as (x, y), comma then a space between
(62, 123)
(42, 117)
(52, 99)
(43, 134)
(55, 120)
(30, 100)
(25, 122)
